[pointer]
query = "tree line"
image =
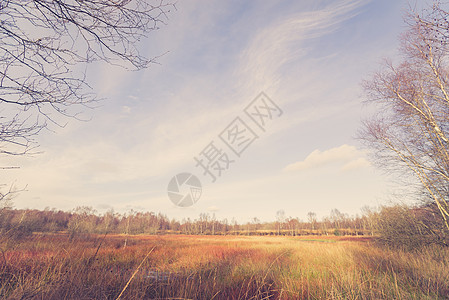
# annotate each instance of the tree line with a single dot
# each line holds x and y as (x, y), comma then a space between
(397, 225)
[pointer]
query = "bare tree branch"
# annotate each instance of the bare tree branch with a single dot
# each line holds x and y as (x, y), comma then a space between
(45, 45)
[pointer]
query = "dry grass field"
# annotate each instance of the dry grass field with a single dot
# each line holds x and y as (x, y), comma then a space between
(218, 267)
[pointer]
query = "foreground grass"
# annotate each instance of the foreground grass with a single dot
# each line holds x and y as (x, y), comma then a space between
(207, 267)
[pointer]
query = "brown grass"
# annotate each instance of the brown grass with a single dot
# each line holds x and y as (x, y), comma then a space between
(218, 267)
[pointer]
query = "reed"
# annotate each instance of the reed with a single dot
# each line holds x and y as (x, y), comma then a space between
(218, 267)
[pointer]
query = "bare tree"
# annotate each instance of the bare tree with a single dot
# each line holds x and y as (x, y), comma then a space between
(45, 46)
(410, 134)
(256, 223)
(370, 219)
(6, 196)
(337, 218)
(280, 218)
(311, 216)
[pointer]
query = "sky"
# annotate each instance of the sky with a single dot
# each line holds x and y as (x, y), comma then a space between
(307, 57)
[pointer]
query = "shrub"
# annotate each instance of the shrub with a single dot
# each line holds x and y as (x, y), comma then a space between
(411, 227)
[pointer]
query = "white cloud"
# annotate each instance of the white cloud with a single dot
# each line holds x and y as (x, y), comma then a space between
(358, 163)
(126, 109)
(348, 155)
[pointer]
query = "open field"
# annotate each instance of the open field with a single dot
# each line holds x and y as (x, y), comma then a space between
(218, 267)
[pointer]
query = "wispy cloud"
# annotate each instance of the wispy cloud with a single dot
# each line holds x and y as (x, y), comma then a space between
(279, 44)
(347, 156)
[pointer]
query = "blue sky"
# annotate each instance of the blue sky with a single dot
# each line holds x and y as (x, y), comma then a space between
(308, 56)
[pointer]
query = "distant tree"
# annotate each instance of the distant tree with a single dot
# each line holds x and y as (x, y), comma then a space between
(280, 218)
(225, 223)
(292, 224)
(235, 225)
(311, 216)
(256, 223)
(82, 221)
(370, 219)
(337, 218)
(326, 224)
(108, 222)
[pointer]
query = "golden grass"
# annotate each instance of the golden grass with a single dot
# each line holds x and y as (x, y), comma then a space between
(218, 267)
